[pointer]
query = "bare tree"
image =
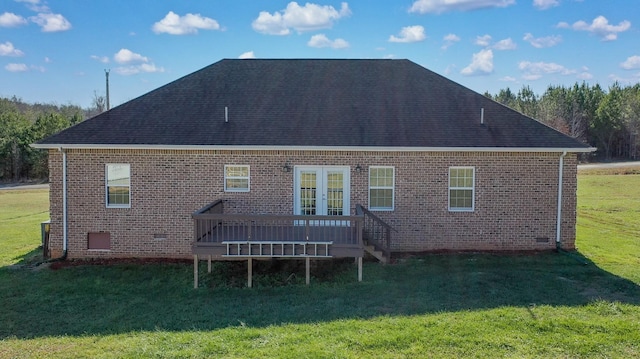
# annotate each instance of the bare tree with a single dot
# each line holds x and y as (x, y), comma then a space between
(98, 105)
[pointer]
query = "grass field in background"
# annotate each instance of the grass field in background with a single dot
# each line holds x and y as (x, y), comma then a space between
(466, 305)
(21, 213)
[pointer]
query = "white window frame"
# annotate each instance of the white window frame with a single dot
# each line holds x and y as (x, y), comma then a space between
(392, 188)
(472, 189)
(107, 186)
(247, 177)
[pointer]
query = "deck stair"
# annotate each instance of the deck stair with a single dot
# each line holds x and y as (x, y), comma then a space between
(376, 236)
(378, 254)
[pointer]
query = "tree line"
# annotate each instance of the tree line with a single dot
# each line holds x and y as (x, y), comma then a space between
(608, 120)
(22, 124)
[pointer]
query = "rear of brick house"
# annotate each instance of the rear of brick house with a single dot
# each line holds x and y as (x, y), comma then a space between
(444, 167)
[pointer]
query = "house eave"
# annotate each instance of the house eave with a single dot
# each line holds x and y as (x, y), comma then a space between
(311, 148)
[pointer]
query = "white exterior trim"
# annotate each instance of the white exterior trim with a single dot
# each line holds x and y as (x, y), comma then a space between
(316, 148)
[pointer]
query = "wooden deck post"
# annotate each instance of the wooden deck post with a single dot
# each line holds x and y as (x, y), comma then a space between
(307, 269)
(359, 269)
(209, 264)
(250, 272)
(195, 271)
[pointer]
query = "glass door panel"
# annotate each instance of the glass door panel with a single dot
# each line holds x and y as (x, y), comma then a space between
(308, 193)
(321, 190)
(335, 193)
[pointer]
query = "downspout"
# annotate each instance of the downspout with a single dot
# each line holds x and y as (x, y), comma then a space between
(65, 237)
(559, 219)
(64, 211)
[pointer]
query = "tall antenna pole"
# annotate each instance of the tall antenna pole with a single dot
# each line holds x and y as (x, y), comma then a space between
(106, 73)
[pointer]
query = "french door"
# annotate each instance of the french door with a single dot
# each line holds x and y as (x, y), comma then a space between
(321, 190)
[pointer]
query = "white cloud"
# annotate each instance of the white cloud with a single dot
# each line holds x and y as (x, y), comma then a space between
(506, 44)
(9, 19)
(321, 40)
(440, 6)
(175, 24)
(300, 18)
(626, 80)
(535, 70)
(135, 69)
(508, 79)
(150, 68)
(136, 63)
(7, 49)
(584, 75)
(125, 56)
(449, 40)
(600, 27)
(51, 22)
(481, 64)
(16, 67)
(247, 55)
(35, 5)
(47, 60)
(450, 69)
(631, 63)
(542, 42)
(483, 40)
(103, 59)
(545, 4)
(409, 34)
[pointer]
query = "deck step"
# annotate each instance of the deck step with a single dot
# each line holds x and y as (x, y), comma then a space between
(379, 255)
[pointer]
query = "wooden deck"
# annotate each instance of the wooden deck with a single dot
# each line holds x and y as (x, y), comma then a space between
(226, 236)
(261, 237)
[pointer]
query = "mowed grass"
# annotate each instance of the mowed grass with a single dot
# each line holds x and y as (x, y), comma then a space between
(609, 220)
(21, 213)
(467, 305)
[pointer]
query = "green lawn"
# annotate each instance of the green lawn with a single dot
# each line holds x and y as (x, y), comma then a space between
(469, 305)
(21, 213)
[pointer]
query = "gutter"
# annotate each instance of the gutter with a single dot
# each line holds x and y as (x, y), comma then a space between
(65, 237)
(559, 219)
(312, 148)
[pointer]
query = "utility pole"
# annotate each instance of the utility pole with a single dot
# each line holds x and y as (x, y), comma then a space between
(106, 73)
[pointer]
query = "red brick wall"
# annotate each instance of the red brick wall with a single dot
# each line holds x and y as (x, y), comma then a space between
(515, 198)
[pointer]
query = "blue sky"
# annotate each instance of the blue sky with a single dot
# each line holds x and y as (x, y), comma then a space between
(56, 51)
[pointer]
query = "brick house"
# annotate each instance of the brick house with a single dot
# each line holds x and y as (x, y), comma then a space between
(220, 162)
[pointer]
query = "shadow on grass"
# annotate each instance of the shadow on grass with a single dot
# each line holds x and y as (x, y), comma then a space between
(98, 299)
(29, 258)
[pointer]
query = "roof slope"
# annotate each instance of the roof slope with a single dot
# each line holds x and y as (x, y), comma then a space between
(328, 103)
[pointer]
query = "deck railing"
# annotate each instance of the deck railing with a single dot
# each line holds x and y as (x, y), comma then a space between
(376, 232)
(212, 226)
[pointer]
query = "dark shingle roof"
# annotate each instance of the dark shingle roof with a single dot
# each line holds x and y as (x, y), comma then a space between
(390, 103)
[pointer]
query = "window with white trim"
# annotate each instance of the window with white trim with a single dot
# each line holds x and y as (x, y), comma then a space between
(461, 189)
(118, 185)
(236, 178)
(381, 188)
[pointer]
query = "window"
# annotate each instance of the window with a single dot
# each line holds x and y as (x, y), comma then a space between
(236, 178)
(118, 180)
(461, 188)
(381, 188)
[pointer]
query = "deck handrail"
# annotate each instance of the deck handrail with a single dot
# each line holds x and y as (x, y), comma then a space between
(376, 231)
(216, 206)
(212, 226)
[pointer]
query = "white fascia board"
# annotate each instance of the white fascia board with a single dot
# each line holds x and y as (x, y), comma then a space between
(314, 148)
